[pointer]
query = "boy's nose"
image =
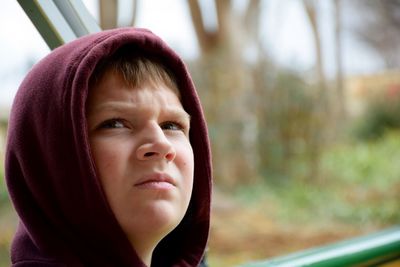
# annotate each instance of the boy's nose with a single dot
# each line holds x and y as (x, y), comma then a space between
(155, 146)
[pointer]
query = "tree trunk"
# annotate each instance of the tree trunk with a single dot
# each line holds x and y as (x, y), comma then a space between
(322, 110)
(339, 68)
(310, 8)
(226, 90)
(108, 14)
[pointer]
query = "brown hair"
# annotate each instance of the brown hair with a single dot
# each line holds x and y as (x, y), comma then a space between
(136, 69)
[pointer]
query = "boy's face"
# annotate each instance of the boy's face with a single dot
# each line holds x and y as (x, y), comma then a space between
(140, 145)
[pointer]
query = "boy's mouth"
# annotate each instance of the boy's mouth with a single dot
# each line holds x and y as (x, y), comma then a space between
(155, 180)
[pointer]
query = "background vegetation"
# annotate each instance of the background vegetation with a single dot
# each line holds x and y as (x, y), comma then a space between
(301, 158)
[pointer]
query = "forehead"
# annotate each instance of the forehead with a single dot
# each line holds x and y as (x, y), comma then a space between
(112, 88)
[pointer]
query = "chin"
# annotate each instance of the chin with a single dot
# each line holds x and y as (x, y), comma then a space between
(165, 218)
(156, 220)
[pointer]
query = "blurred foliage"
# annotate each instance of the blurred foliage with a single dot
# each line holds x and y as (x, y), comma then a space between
(382, 114)
(377, 25)
(370, 164)
(265, 127)
(366, 175)
(3, 189)
(286, 126)
(359, 185)
(7, 222)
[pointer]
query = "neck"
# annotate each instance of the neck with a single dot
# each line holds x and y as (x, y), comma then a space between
(144, 245)
(145, 256)
(145, 252)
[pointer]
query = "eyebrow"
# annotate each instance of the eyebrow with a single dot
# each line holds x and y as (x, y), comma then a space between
(120, 107)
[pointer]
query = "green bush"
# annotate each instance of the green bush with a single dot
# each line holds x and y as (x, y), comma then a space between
(382, 114)
(368, 164)
(286, 126)
(365, 177)
(358, 184)
(3, 189)
(4, 199)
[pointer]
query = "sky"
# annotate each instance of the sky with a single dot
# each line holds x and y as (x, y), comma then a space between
(287, 37)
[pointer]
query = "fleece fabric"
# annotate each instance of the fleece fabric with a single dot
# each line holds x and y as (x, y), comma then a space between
(65, 219)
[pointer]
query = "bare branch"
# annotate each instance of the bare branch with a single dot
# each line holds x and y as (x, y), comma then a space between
(378, 26)
(223, 9)
(206, 39)
(310, 8)
(338, 56)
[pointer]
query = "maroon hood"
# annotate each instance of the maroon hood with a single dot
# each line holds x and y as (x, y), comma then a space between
(64, 216)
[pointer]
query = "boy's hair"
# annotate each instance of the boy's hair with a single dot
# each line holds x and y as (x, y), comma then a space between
(136, 70)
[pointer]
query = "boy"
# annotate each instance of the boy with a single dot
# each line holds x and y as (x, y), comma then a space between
(108, 160)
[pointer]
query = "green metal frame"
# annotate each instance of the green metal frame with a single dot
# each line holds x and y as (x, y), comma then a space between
(61, 21)
(369, 250)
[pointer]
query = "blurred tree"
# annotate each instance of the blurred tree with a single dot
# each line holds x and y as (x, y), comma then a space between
(378, 24)
(340, 99)
(286, 128)
(381, 115)
(229, 53)
(108, 14)
(322, 109)
(311, 6)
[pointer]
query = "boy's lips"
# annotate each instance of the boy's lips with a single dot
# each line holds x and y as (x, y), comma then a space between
(155, 178)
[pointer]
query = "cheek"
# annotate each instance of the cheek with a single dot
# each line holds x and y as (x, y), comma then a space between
(102, 156)
(108, 158)
(186, 165)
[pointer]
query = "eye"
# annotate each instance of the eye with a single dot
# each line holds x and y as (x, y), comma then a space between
(172, 126)
(112, 124)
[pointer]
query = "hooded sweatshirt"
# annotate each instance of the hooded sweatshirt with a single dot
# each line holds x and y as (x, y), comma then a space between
(65, 219)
